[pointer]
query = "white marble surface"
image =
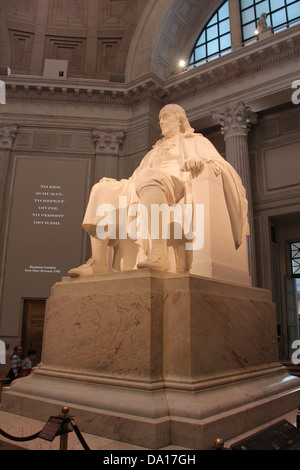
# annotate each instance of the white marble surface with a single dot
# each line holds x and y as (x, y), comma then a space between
(147, 326)
(20, 426)
(152, 358)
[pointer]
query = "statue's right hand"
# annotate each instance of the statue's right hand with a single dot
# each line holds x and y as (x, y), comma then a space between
(194, 167)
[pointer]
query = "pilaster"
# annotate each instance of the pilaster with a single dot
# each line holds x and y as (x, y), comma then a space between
(7, 136)
(107, 144)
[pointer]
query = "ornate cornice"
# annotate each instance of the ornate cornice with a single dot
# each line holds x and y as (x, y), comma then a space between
(275, 50)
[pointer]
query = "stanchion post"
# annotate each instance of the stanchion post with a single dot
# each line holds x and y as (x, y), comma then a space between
(63, 445)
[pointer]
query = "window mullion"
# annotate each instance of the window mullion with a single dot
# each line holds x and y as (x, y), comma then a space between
(235, 24)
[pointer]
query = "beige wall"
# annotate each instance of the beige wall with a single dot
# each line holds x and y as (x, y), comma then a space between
(275, 164)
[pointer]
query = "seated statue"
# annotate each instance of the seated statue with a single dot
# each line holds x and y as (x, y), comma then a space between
(161, 179)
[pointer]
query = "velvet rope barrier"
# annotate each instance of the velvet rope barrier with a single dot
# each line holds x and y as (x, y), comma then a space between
(19, 439)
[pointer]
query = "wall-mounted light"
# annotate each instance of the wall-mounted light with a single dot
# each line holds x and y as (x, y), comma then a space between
(182, 65)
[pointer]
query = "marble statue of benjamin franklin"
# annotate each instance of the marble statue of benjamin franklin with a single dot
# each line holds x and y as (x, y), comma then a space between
(161, 179)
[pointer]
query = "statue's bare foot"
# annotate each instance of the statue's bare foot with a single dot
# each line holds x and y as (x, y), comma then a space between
(156, 261)
(90, 267)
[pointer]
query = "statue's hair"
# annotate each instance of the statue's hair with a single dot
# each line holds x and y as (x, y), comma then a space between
(185, 126)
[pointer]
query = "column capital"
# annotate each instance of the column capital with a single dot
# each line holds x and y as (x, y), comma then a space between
(235, 120)
(8, 133)
(108, 142)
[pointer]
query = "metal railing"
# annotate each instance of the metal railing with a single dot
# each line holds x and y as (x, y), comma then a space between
(55, 426)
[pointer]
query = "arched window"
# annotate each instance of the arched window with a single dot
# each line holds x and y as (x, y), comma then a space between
(214, 39)
(281, 15)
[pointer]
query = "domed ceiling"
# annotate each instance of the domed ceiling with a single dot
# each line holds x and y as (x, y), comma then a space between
(93, 35)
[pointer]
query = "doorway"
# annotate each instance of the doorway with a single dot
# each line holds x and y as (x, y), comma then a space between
(33, 326)
(285, 266)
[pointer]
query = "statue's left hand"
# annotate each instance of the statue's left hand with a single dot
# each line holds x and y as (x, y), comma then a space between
(194, 167)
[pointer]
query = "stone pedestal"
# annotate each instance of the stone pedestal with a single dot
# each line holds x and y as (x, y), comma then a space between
(154, 359)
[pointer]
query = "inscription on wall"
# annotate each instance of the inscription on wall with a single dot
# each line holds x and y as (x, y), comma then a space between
(48, 205)
(45, 237)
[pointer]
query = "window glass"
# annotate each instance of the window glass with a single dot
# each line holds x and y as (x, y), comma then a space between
(275, 4)
(293, 11)
(279, 18)
(281, 15)
(212, 47)
(248, 15)
(212, 32)
(202, 38)
(223, 12)
(262, 7)
(249, 30)
(224, 27)
(214, 20)
(214, 39)
(225, 42)
(295, 258)
(246, 3)
(200, 53)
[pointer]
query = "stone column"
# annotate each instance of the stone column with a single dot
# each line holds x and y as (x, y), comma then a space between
(107, 145)
(7, 135)
(235, 122)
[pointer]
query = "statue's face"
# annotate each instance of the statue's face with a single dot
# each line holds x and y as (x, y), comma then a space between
(169, 123)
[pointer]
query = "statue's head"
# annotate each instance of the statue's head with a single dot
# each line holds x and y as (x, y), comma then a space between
(178, 112)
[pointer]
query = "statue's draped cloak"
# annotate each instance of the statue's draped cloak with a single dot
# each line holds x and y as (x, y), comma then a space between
(168, 156)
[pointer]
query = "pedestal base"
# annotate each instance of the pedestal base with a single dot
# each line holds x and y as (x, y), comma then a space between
(154, 359)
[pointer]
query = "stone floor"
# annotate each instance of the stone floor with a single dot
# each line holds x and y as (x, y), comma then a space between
(12, 424)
